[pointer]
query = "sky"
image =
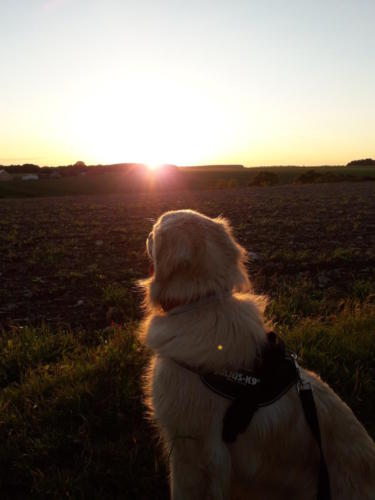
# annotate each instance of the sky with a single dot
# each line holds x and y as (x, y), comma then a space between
(255, 82)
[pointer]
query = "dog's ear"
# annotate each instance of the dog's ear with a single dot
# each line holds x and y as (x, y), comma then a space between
(235, 257)
(174, 250)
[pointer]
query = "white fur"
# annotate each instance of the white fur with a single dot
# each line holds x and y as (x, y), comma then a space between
(277, 457)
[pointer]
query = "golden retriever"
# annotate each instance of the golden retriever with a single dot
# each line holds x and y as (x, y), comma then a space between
(202, 316)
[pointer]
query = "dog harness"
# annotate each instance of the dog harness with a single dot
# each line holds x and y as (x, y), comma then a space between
(274, 374)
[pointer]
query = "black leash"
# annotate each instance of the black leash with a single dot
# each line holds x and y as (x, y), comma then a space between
(311, 416)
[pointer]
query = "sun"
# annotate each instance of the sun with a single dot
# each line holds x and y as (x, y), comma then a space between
(153, 166)
(153, 124)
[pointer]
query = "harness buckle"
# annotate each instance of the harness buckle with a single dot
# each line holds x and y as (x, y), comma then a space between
(302, 385)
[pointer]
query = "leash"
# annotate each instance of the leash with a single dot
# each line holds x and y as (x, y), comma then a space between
(311, 415)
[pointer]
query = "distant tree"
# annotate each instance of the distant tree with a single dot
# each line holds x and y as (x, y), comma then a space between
(367, 162)
(31, 167)
(73, 170)
(308, 177)
(265, 179)
(214, 168)
(80, 164)
(26, 168)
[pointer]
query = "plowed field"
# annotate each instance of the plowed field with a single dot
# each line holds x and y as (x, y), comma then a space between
(75, 260)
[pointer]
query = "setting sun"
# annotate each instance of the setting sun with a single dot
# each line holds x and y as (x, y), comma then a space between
(151, 123)
(153, 166)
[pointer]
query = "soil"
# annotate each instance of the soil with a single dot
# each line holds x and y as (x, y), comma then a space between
(61, 257)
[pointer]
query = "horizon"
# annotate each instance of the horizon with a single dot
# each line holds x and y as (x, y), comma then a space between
(199, 84)
(161, 165)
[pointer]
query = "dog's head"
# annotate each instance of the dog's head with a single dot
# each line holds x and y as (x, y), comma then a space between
(193, 256)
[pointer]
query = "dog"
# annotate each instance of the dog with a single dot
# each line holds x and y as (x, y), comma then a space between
(201, 317)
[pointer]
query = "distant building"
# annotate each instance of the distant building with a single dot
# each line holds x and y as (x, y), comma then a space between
(30, 177)
(4, 176)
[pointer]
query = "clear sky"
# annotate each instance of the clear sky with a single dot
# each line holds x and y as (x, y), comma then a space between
(256, 82)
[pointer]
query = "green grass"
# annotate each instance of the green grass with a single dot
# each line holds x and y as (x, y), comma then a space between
(119, 301)
(114, 294)
(341, 348)
(71, 413)
(71, 417)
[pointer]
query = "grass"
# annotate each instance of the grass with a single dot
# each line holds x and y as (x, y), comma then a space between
(114, 294)
(71, 417)
(71, 413)
(119, 301)
(342, 350)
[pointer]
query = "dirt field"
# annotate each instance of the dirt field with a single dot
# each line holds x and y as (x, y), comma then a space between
(74, 260)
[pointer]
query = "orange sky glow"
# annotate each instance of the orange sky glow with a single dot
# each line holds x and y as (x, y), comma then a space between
(186, 83)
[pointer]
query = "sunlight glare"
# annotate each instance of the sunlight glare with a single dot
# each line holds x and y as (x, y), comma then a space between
(153, 166)
(153, 125)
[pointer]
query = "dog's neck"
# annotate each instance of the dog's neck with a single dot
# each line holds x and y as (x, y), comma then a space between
(173, 307)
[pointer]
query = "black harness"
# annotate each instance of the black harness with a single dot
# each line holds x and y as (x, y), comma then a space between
(275, 373)
(272, 377)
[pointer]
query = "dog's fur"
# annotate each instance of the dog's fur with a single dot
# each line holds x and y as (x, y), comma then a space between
(196, 257)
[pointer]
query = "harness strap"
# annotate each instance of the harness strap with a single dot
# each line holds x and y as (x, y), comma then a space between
(277, 373)
(238, 417)
(240, 413)
(311, 416)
